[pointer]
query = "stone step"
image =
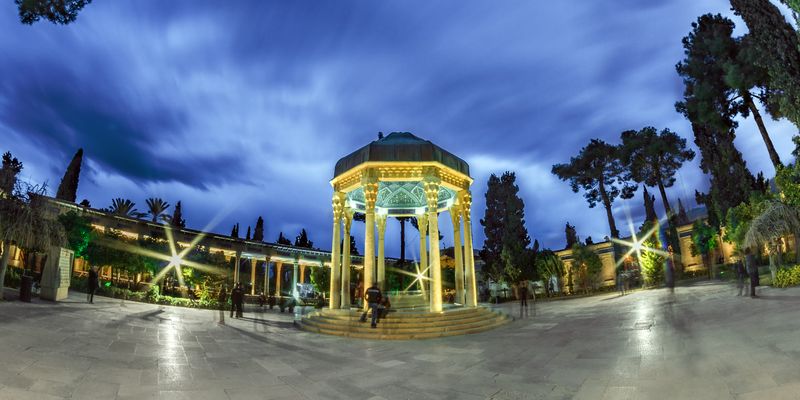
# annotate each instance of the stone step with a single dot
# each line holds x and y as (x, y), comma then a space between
(383, 328)
(404, 325)
(376, 334)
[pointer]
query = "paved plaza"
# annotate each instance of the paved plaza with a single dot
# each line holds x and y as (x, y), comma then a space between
(703, 342)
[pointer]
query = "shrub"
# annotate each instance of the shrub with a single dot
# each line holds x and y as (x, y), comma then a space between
(786, 277)
(12, 278)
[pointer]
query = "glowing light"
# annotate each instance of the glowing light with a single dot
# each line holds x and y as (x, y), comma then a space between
(636, 244)
(175, 260)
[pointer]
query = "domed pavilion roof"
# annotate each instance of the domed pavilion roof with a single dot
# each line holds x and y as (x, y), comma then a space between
(401, 147)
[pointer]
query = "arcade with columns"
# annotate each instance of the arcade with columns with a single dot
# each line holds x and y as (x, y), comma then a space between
(401, 175)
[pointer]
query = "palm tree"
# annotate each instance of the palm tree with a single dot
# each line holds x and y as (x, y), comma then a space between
(125, 208)
(156, 207)
(778, 220)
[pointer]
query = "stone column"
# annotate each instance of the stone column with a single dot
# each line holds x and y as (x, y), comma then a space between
(345, 288)
(236, 267)
(455, 216)
(338, 204)
(465, 201)
(266, 276)
(253, 276)
(432, 195)
(278, 278)
(370, 185)
(380, 221)
(294, 276)
(422, 223)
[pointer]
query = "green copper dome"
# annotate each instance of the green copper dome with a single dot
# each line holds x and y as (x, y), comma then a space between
(401, 147)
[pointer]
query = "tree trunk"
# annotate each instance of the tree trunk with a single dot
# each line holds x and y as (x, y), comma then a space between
(773, 268)
(773, 155)
(4, 265)
(607, 204)
(664, 199)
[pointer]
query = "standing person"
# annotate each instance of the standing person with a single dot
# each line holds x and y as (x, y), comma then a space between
(670, 269)
(222, 298)
(235, 293)
(621, 280)
(359, 293)
(94, 283)
(752, 269)
(240, 301)
(523, 296)
(373, 297)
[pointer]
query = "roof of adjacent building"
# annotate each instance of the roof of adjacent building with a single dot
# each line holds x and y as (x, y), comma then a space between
(401, 147)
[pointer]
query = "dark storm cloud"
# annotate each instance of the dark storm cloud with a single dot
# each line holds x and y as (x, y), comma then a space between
(251, 104)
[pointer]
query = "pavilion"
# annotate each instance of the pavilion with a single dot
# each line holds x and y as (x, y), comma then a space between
(401, 175)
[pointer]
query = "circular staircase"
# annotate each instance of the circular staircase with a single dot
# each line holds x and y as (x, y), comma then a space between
(409, 318)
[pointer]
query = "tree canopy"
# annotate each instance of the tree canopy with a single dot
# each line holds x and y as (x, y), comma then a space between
(599, 172)
(504, 250)
(56, 11)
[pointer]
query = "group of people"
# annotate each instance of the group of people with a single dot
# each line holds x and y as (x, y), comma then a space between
(377, 303)
(236, 297)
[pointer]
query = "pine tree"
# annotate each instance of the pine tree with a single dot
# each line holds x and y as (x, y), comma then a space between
(653, 158)
(597, 170)
(8, 174)
(177, 217)
(776, 48)
(68, 189)
(258, 232)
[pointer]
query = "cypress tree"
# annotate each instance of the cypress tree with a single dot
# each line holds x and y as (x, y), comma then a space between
(247, 237)
(504, 225)
(177, 217)
(572, 235)
(302, 240)
(258, 232)
(68, 188)
(283, 240)
(235, 231)
(649, 206)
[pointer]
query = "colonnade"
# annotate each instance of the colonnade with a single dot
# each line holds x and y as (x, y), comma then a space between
(298, 272)
(430, 257)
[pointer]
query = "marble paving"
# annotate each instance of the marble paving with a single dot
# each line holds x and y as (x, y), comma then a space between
(702, 342)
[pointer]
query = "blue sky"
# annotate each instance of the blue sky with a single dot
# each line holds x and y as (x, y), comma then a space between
(244, 109)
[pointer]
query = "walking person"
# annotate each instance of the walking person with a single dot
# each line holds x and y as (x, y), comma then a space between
(621, 280)
(373, 298)
(741, 278)
(523, 297)
(222, 299)
(94, 283)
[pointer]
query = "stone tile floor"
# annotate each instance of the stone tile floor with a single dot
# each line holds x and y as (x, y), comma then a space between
(702, 342)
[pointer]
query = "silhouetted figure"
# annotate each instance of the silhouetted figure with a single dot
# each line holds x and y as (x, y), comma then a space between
(222, 299)
(742, 280)
(523, 294)
(94, 283)
(239, 291)
(373, 298)
(752, 269)
(384, 307)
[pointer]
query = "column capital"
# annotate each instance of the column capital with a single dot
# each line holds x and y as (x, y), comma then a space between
(465, 203)
(348, 219)
(455, 215)
(370, 187)
(380, 222)
(338, 203)
(431, 187)
(422, 222)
